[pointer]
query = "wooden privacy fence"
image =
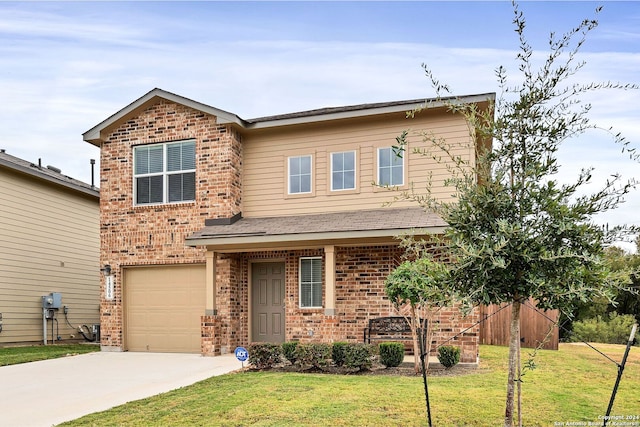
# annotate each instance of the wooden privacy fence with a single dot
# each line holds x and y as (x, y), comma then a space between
(534, 325)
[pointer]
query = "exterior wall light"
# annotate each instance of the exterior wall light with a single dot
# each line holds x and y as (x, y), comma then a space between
(106, 270)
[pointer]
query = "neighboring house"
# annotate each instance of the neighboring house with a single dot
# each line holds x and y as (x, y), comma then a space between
(220, 231)
(49, 243)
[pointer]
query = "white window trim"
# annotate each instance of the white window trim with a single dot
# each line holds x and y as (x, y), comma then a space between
(165, 175)
(310, 175)
(300, 282)
(355, 170)
(404, 167)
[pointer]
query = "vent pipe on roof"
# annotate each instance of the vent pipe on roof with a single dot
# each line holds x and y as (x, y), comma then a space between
(39, 162)
(93, 163)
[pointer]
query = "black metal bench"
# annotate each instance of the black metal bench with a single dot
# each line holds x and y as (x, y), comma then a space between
(389, 329)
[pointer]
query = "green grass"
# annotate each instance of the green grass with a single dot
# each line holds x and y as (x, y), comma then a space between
(570, 385)
(15, 355)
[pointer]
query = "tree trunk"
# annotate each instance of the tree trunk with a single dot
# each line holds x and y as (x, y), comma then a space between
(514, 350)
(415, 324)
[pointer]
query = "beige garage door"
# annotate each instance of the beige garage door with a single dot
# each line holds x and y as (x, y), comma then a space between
(163, 306)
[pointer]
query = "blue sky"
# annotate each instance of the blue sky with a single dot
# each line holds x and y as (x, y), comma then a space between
(66, 66)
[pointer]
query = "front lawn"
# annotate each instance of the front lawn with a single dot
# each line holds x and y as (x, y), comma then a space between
(570, 385)
(14, 355)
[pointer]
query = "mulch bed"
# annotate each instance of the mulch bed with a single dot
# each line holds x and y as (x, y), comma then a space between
(405, 369)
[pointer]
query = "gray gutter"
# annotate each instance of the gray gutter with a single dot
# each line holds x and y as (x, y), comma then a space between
(258, 239)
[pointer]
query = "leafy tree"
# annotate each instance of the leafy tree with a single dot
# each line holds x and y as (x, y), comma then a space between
(415, 289)
(514, 232)
(627, 265)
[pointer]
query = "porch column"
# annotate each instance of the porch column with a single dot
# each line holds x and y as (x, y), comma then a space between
(210, 306)
(330, 280)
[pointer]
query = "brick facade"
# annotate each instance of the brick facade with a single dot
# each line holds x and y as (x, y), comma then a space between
(154, 235)
(360, 296)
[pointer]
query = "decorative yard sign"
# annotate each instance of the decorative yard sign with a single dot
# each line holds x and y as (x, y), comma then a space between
(242, 354)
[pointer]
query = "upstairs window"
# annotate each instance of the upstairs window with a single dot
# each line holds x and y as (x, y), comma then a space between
(343, 171)
(390, 167)
(311, 282)
(299, 174)
(164, 173)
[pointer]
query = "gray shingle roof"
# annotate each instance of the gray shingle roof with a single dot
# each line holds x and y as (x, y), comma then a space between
(391, 219)
(45, 173)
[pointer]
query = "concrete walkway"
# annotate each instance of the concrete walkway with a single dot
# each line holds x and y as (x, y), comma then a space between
(52, 391)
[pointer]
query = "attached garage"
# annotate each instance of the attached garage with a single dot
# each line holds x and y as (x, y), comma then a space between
(163, 306)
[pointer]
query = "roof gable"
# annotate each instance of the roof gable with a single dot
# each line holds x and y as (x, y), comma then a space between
(93, 135)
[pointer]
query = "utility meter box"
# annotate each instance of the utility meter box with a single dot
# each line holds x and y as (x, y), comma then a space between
(53, 300)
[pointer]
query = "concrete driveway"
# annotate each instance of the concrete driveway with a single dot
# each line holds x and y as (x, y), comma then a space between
(52, 391)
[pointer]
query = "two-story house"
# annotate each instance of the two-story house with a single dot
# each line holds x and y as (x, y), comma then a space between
(220, 231)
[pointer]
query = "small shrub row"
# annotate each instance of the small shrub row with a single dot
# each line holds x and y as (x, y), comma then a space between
(352, 356)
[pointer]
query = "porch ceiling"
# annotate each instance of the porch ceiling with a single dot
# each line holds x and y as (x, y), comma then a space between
(379, 226)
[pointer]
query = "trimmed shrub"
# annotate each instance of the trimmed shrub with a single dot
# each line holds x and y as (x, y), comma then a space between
(611, 329)
(337, 352)
(358, 356)
(264, 355)
(448, 355)
(391, 353)
(289, 351)
(314, 355)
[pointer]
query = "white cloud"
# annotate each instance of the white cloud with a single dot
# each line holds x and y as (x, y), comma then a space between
(64, 68)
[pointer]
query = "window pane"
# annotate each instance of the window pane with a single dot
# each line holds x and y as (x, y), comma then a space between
(175, 188)
(142, 190)
(349, 180)
(294, 166)
(385, 176)
(182, 187)
(338, 182)
(188, 155)
(174, 157)
(157, 189)
(316, 296)
(384, 157)
(305, 184)
(294, 184)
(189, 186)
(349, 161)
(305, 295)
(397, 177)
(148, 160)
(181, 156)
(337, 161)
(149, 190)
(396, 160)
(305, 164)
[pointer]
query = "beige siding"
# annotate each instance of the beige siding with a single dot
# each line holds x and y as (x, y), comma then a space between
(49, 242)
(266, 153)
